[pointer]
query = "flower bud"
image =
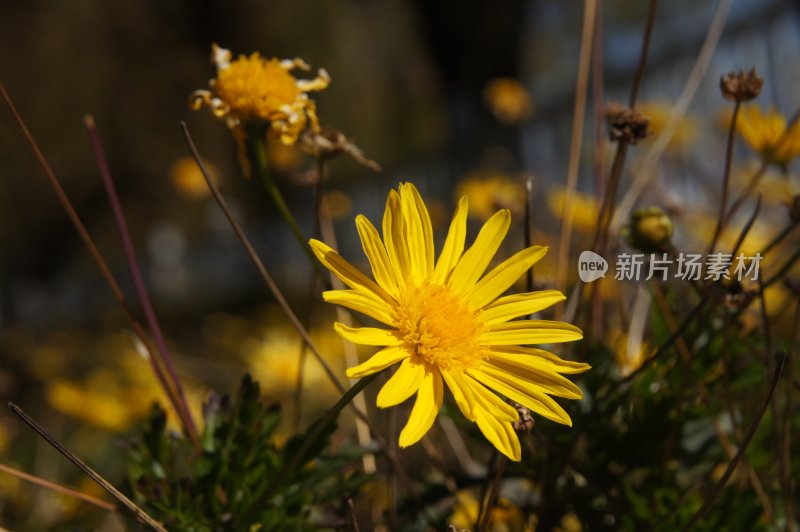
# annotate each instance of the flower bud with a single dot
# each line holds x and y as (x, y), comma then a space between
(649, 230)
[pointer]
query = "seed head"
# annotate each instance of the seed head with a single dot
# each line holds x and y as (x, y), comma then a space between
(740, 86)
(625, 124)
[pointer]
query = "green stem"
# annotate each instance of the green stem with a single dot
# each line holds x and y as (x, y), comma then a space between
(256, 152)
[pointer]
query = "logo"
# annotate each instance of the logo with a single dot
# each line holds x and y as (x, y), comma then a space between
(660, 266)
(591, 266)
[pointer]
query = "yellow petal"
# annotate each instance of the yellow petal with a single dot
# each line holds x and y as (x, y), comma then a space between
(419, 234)
(453, 244)
(536, 401)
(394, 238)
(355, 300)
(461, 392)
(402, 385)
(380, 360)
(474, 262)
(500, 434)
(349, 274)
(525, 332)
(376, 254)
(367, 335)
(429, 399)
(528, 357)
(503, 276)
(516, 305)
(490, 402)
(524, 378)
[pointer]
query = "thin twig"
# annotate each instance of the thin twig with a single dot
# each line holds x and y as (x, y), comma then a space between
(262, 269)
(648, 33)
(578, 120)
(276, 292)
(786, 463)
(746, 228)
(138, 282)
(779, 238)
(328, 233)
(494, 491)
(762, 168)
(726, 175)
(528, 228)
(140, 514)
(607, 210)
(58, 487)
(651, 160)
(709, 501)
(98, 259)
(485, 486)
(727, 446)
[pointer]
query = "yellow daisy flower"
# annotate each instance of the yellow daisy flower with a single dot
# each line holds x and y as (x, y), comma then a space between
(448, 324)
(254, 88)
(766, 134)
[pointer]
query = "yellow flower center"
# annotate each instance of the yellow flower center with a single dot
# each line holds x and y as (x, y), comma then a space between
(437, 326)
(254, 87)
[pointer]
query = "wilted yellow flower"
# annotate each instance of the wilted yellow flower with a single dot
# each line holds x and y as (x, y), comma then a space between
(767, 135)
(254, 88)
(448, 323)
(584, 208)
(508, 100)
(491, 191)
(188, 180)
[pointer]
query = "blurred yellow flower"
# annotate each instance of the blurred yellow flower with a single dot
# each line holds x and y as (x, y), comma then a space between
(508, 100)
(273, 360)
(254, 88)
(448, 323)
(339, 204)
(99, 407)
(504, 516)
(629, 354)
(766, 134)
(659, 113)
(488, 192)
(584, 208)
(113, 398)
(188, 180)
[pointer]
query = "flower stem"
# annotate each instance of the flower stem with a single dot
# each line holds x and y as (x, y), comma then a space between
(256, 152)
(726, 177)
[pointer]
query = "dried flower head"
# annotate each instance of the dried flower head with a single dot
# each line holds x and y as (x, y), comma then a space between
(625, 124)
(255, 88)
(741, 86)
(330, 143)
